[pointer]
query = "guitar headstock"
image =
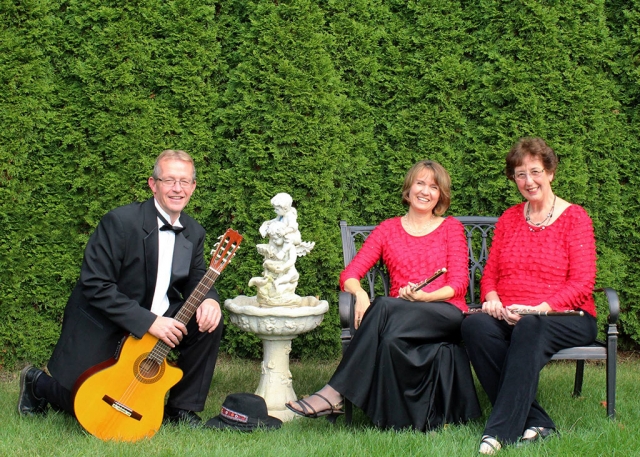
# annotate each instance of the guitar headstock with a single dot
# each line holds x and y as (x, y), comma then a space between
(224, 250)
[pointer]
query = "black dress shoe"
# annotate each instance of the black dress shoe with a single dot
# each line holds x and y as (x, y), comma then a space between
(181, 416)
(28, 403)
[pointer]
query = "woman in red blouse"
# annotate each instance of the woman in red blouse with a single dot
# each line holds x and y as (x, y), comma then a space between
(542, 257)
(404, 366)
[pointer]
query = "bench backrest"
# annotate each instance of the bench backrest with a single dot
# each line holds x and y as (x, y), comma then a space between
(478, 229)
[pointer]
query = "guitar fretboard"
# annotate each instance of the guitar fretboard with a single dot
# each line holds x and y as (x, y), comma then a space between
(161, 349)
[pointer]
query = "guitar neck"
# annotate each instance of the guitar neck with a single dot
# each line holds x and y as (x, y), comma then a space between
(197, 296)
(188, 309)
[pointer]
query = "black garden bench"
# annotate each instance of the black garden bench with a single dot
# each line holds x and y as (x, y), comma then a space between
(479, 230)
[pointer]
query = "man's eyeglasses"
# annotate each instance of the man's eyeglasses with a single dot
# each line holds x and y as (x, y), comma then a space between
(170, 182)
(522, 176)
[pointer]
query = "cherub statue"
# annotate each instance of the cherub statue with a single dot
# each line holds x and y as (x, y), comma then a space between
(276, 286)
(287, 214)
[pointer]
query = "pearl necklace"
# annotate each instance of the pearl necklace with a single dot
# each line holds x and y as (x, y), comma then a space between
(542, 224)
(412, 229)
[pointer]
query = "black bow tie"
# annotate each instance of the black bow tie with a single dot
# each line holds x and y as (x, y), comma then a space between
(168, 226)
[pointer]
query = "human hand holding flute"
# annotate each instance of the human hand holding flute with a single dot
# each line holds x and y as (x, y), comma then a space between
(421, 284)
(411, 291)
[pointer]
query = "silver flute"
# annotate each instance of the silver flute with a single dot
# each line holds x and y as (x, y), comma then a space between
(533, 312)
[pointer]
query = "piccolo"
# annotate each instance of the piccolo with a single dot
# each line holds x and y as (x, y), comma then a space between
(421, 284)
(532, 312)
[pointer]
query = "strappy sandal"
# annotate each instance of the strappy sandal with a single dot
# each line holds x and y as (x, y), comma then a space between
(309, 411)
(540, 433)
(489, 445)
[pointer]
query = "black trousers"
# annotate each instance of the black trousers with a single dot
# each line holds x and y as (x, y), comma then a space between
(198, 353)
(508, 359)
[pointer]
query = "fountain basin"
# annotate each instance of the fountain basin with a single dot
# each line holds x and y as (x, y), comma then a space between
(276, 321)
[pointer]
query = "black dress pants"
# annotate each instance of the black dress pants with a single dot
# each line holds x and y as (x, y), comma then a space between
(508, 359)
(197, 360)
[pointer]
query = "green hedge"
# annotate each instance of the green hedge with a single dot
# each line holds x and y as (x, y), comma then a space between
(328, 100)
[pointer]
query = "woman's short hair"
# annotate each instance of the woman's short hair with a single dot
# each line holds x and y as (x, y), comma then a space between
(173, 154)
(534, 147)
(440, 176)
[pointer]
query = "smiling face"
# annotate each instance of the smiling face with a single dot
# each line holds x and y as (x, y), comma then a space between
(439, 177)
(424, 192)
(533, 181)
(174, 198)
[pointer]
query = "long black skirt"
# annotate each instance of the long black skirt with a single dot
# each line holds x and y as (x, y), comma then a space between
(405, 366)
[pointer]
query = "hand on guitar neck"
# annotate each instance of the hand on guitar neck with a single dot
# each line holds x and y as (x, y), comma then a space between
(171, 331)
(168, 330)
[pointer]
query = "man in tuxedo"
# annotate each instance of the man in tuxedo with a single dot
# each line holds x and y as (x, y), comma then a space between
(140, 264)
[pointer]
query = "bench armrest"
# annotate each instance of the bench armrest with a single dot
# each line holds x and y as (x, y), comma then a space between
(346, 303)
(614, 304)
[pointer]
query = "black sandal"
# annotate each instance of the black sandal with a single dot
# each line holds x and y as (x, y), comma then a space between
(332, 412)
(492, 445)
(541, 433)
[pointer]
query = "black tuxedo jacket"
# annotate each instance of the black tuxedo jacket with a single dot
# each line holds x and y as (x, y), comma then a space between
(117, 281)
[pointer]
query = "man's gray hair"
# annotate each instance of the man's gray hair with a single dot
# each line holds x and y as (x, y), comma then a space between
(173, 154)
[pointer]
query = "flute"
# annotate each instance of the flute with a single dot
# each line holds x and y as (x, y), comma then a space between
(532, 312)
(421, 284)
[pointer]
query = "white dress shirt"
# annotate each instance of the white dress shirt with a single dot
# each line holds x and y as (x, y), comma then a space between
(166, 243)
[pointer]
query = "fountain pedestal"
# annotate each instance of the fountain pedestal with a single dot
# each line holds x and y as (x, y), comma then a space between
(276, 327)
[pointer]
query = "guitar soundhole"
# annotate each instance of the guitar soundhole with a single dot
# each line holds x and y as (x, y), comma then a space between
(147, 370)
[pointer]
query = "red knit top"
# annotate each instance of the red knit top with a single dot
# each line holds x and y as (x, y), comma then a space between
(530, 265)
(415, 258)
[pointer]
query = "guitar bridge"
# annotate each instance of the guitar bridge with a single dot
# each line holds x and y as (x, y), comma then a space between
(122, 408)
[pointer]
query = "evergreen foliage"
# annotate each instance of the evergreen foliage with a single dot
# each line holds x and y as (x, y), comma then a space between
(328, 100)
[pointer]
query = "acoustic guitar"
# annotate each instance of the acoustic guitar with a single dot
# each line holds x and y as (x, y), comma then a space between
(122, 399)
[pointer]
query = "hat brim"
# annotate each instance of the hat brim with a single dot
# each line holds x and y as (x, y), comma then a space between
(269, 423)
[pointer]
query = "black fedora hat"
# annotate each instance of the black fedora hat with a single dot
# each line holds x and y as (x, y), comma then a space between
(244, 412)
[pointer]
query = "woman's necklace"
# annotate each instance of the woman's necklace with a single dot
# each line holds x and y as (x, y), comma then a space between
(420, 231)
(542, 224)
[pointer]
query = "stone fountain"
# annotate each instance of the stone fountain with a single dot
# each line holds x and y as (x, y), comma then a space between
(276, 314)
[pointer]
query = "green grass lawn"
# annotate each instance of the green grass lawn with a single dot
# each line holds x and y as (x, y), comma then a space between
(585, 430)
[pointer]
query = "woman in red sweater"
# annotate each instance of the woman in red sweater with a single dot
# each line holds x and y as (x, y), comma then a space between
(404, 366)
(542, 257)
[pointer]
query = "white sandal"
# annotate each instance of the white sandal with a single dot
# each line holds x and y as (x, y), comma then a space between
(489, 445)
